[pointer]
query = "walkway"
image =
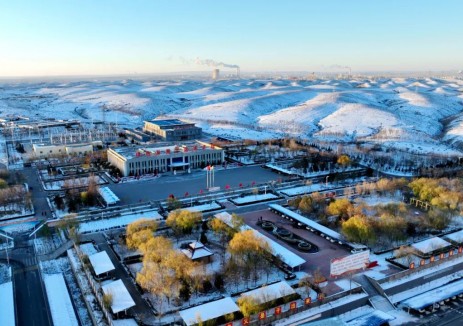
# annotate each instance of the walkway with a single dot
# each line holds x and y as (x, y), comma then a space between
(377, 300)
(141, 309)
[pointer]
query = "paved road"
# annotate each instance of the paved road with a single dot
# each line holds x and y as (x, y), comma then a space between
(161, 188)
(141, 309)
(38, 194)
(449, 315)
(30, 298)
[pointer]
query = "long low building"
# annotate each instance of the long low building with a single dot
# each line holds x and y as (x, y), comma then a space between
(51, 150)
(287, 256)
(162, 158)
(7, 314)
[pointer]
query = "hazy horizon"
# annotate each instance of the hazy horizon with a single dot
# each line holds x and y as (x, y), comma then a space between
(53, 38)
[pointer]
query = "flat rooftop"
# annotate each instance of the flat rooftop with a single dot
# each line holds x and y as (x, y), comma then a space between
(163, 149)
(169, 122)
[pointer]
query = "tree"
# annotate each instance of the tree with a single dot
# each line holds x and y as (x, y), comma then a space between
(137, 239)
(218, 281)
(156, 248)
(3, 184)
(185, 291)
(405, 252)
(59, 202)
(358, 229)
(71, 224)
(224, 232)
(341, 207)
(141, 224)
(173, 203)
(92, 190)
(140, 232)
(158, 280)
(183, 221)
(237, 222)
(344, 160)
(392, 227)
(305, 284)
(107, 300)
(305, 205)
(250, 252)
(248, 305)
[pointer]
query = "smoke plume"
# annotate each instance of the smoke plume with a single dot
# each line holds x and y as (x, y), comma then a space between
(213, 63)
(339, 67)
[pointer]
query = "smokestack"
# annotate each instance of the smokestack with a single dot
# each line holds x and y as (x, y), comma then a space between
(215, 74)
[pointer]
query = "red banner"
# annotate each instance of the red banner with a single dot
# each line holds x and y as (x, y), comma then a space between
(277, 310)
(308, 300)
(293, 305)
(245, 321)
(262, 315)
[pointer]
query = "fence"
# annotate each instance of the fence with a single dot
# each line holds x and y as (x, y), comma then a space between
(284, 311)
(94, 288)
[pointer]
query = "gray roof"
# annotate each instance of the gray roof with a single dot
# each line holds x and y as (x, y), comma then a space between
(168, 122)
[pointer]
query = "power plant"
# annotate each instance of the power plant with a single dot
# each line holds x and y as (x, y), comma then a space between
(215, 74)
(215, 65)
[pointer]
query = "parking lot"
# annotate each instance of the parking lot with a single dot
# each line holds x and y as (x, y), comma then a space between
(319, 260)
(193, 184)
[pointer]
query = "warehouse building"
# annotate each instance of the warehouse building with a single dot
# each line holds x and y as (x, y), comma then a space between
(162, 158)
(52, 150)
(172, 129)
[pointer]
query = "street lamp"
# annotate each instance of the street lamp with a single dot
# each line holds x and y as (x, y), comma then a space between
(6, 250)
(326, 181)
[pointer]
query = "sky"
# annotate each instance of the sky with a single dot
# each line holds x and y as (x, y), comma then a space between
(108, 37)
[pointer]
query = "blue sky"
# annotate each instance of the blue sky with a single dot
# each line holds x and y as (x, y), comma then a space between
(70, 37)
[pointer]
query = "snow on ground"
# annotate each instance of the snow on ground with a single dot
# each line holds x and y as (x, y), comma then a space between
(59, 301)
(7, 316)
(317, 310)
(204, 208)
(5, 273)
(346, 284)
(46, 245)
(376, 200)
(77, 182)
(422, 288)
(88, 249)
(340, 110)
(19, 228)
(430, 245)
(85, 287)
(61, 266)
(421, 273)
(116, 222)
(253, 198)
(304, 189)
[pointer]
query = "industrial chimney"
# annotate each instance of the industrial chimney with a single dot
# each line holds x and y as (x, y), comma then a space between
(215, 74)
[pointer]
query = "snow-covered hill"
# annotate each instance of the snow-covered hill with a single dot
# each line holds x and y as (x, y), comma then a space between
(393, 112)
